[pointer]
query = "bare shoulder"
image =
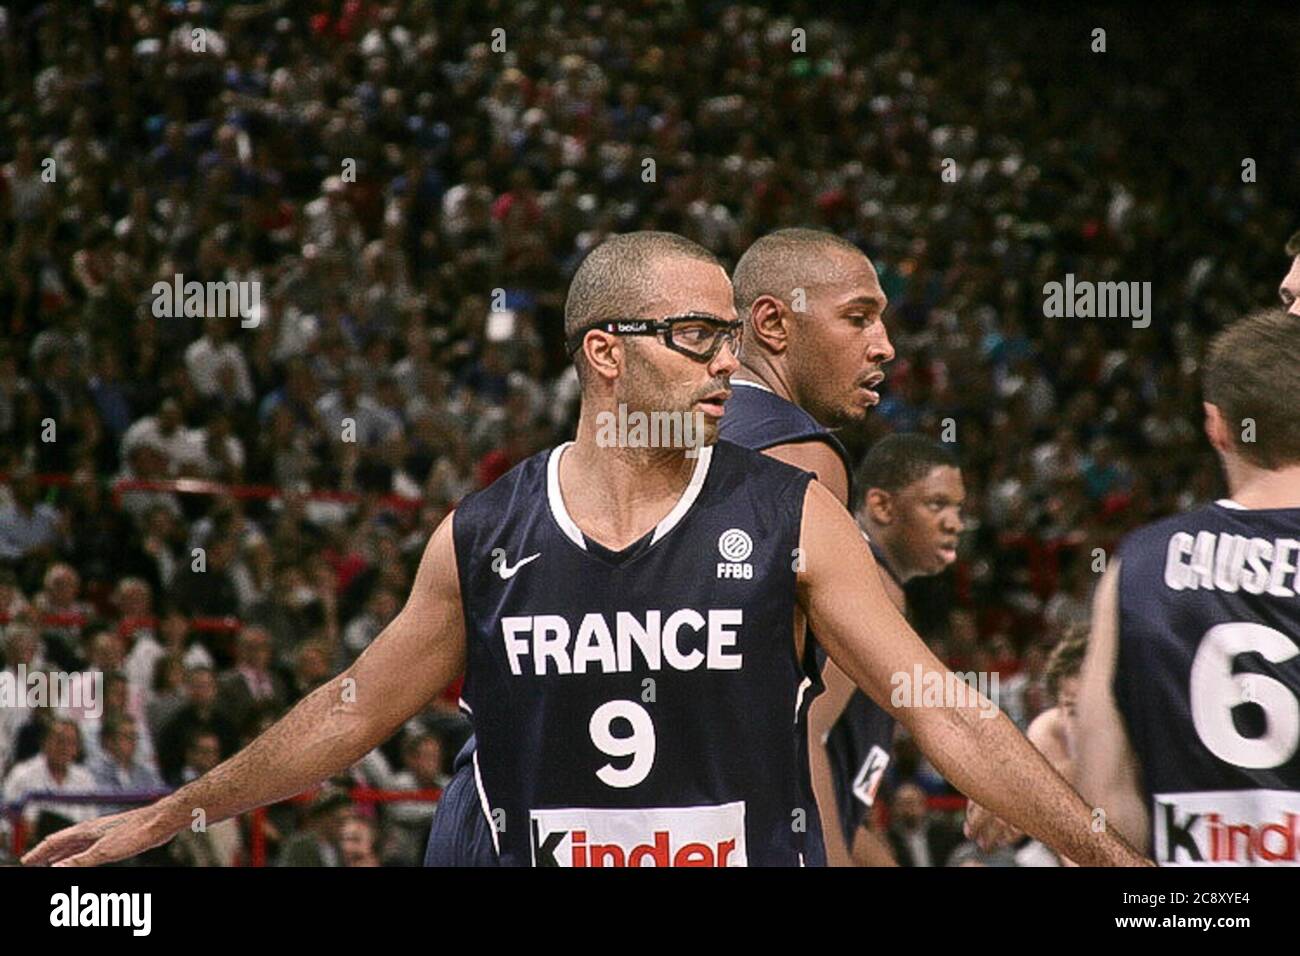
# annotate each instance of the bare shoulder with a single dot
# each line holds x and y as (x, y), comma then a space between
(437, 575)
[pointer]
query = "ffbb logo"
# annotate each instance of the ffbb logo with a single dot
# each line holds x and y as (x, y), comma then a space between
(676, 837)
(735, 546)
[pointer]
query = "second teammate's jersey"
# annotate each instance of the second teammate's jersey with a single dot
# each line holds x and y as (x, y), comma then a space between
(1207, 681)
(859, 748)
(642, 707)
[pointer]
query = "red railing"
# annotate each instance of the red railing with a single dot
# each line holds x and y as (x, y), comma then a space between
(937, 803)
(201, 486)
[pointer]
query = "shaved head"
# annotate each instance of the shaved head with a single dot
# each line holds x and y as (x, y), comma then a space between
(790, 259)
(650, 276)
(813, 310)
(619, 278)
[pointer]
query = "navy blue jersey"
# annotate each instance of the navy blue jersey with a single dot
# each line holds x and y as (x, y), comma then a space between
(1207, 681)
(461, 832)
(642, 707)
(860, 743)
(758, 418)
(859, 747)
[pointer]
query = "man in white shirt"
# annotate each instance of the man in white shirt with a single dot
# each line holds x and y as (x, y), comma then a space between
(216, 365)
(167, 433)
(53, 770)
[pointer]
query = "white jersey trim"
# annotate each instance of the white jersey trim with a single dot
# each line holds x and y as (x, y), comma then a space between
(798, 700)
(483, 802)
(570, 527)
(556, 499)
(674, 517)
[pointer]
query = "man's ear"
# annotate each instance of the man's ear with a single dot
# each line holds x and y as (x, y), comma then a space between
(604, 354)
(767, 323)
(1217, 430)
(878, 505)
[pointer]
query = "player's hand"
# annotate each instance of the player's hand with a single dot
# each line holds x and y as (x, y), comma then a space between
(100, 841)
(989, 831)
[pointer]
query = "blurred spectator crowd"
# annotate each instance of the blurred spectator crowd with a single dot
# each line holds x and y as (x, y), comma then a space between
(411, 202)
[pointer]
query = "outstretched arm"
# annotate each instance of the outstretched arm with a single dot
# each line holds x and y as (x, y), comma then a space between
(418, 654)
(1044, 732)
(972, 743)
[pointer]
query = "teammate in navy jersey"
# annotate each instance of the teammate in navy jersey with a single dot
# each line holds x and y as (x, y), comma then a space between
(816, 347)
(910, 500)
(1189, 704)
(986, 829)
(817, 344)
(626, 620)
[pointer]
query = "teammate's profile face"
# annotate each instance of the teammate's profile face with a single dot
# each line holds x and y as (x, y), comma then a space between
(659, 379)
(839, 346)
(1289, 290)
(927, 517)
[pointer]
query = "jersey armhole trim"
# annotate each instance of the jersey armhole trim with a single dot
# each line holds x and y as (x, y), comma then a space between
(483, 804)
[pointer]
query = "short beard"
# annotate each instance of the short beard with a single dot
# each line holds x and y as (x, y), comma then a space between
(838, 417)
(646, 389)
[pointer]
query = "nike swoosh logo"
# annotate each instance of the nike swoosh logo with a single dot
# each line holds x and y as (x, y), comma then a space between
(508, 572)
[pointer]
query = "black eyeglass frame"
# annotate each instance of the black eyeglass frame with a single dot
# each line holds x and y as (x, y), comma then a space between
(729, 332)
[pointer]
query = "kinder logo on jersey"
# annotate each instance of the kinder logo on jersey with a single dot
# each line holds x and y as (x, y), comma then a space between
(1227, 828)
(671, 836)
(735, 546)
